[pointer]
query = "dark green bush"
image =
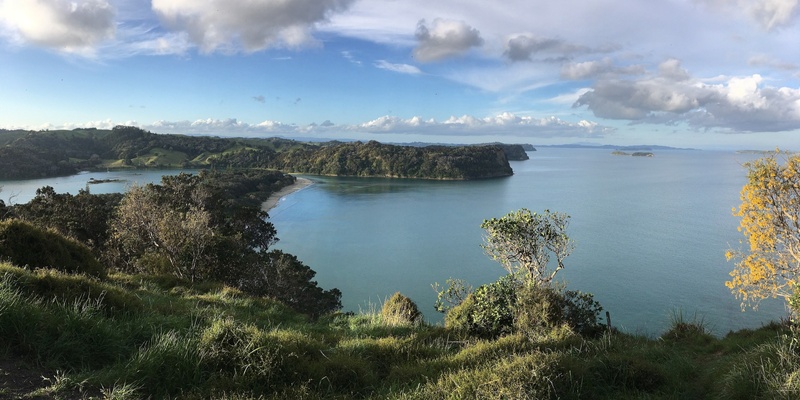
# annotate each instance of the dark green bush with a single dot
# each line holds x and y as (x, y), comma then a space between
(582, 313)
(31, 247)
(488, 312)
(400, 310)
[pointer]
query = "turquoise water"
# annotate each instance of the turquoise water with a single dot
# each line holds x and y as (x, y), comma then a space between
(650, 233)
(22, 191)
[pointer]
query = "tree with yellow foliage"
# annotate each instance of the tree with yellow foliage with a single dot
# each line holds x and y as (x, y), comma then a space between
(769, 263)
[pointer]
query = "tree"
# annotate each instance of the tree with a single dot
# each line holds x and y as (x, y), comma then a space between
(146, 227)
(191, 227)
(282, 276)
(769, 266)
(83, 217)
(523, 243)
(3, 208)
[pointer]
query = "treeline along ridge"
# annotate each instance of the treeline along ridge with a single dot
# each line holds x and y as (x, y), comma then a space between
(29, 154)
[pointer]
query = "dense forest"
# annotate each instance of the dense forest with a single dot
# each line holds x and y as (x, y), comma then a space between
(28, 154)
(376, 159)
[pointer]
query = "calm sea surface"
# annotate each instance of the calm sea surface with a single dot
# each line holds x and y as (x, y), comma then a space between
(19, 192)
(650, 233)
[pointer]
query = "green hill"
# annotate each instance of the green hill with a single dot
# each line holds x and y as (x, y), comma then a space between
(54, 153)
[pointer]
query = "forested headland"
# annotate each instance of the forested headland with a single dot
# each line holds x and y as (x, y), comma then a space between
(29, 154)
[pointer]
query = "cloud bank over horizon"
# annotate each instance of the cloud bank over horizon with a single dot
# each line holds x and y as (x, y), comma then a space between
(505, 125)
(451, 68)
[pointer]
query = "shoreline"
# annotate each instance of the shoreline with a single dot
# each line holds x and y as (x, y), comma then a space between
(276, 197)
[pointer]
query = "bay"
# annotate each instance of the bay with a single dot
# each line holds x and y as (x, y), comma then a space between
(650, 233)
(23, 191)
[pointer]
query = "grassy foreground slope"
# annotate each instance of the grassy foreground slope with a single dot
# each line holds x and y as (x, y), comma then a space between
(138, 336)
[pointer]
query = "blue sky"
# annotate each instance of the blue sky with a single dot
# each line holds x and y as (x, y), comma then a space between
(695, 73)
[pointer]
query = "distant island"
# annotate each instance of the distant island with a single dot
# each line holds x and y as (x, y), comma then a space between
(93, 181)
(41, 154)
(634, 154)
(615, 147)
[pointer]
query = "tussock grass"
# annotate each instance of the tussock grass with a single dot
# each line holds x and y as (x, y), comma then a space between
(138, 337)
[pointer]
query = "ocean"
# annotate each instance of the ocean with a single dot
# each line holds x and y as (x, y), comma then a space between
(650, 233)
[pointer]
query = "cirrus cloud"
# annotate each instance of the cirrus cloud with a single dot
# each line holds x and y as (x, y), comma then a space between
(593, 69)
(770, 14)
(522, 46)
(399, 68)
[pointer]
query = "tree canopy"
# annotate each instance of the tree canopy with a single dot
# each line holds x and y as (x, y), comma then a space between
(523, 243)
(769, 263)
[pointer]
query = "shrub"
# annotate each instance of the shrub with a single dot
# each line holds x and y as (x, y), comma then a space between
(400, 310)
(31, 247)
(509, 305)
(488, 312)
(582, 313)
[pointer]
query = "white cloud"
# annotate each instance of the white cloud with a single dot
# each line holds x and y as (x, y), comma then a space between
(399, 68)
(444, 39)
(770, 14)
(502, 124)
(774, 13)
(228, 25)
(350, 57)
(740, 104)
(498, 126)
(68, 26)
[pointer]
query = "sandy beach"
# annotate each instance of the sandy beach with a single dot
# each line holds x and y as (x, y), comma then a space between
(273, 200)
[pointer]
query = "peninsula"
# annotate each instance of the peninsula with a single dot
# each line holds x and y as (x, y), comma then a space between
(41, 154)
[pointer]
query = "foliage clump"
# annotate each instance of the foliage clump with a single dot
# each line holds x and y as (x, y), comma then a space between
(400, 310)
(527, 300)
(523, 242)
(187, 227)
(508, 306)
(29, 246)
(769, 265)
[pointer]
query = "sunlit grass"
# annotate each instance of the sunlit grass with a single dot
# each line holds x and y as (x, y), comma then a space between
(137, 336)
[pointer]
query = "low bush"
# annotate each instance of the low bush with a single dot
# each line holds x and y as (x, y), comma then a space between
(488, 312)
(400, 310)
(509, 305)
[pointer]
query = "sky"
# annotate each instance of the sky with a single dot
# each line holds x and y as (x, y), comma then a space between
(688, 73)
